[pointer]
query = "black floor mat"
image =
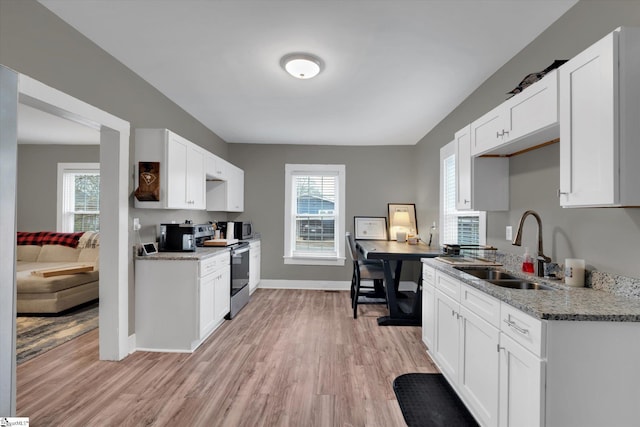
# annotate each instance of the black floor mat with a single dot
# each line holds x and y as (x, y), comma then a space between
(427, 400)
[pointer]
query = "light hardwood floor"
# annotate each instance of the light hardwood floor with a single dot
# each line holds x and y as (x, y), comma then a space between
(290, 358)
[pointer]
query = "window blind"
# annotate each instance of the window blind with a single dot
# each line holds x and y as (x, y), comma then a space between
(81, 201)
(315, 214)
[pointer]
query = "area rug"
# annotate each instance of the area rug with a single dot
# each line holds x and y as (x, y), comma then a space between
(37, 334)
(427, 400)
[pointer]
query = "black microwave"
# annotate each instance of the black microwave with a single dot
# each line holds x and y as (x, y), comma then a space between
(247, 230)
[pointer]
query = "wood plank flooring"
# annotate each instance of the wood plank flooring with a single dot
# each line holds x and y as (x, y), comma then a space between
(290, 358)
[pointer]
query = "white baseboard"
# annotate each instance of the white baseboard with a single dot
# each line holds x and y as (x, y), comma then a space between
(320, 285)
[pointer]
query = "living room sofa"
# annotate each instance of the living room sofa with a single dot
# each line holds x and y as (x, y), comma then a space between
(45, 250)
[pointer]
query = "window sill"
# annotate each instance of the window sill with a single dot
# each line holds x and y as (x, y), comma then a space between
(314, 261)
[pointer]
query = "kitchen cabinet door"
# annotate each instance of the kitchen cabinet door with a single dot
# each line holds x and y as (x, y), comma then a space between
(206, 305)
(447, 335)
(255, 257)
(222, 291)
(177, 151)
(227, 196)
(479, 366)
(195, 178)
(488, 131)
(235, 189)
(482, 183)
(521, 386)
(428, 307)
(599, 128)
(215, 167)
(182, 169)
(533, 111)
(463, 168)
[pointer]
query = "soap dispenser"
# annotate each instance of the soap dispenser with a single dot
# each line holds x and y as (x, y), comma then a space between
(527, 263)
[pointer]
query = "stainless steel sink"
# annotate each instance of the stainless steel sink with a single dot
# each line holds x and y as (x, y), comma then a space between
(487, 273)
(521, 284)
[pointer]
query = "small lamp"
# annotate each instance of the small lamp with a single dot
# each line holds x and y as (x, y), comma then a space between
(401, 221)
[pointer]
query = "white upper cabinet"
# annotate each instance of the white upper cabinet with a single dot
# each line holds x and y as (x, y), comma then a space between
(215, 167)
(182, 164)
(482, 183)
(527, 119)
(600, 123)
(227, 195)
(184, 170)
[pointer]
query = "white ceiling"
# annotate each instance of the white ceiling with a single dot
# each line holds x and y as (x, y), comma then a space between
(393, 68)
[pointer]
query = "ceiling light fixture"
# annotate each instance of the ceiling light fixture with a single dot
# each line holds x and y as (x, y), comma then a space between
(301, 65)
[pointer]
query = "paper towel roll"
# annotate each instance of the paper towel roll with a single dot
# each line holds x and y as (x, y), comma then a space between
(574, 272)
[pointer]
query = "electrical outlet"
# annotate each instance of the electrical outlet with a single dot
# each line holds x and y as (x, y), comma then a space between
(509, 233)
(136, 224)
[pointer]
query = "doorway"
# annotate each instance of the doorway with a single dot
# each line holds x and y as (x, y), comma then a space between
(115, 259)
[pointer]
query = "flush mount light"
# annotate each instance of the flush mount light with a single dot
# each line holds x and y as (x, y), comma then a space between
(301, 65)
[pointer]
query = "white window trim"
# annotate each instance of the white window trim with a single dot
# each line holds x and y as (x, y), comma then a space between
(289, 258)
(446, 151)
(68, 167)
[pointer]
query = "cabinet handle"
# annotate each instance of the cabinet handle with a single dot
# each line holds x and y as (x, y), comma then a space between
(513, 325)
(498, 134)
(498, 348)
(465, 201)
(562, 193)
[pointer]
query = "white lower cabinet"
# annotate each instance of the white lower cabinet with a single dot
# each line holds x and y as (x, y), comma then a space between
(521, 385)
(512, 369)
(466, 349)
(179, 303)
(428, 306)
(255, 258)
(478, 370)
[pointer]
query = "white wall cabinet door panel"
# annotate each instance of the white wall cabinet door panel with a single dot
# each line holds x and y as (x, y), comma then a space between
(599, 126)
(463, 169)
(177, 151)
(533, 109)
(482, 184)
(588, 132)
(488, 131)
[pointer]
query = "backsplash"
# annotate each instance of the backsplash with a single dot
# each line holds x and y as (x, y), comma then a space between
(608, 282)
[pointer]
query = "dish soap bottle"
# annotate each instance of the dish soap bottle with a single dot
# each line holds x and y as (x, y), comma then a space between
(527, 263)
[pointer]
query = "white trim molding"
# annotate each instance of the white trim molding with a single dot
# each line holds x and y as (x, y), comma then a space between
(320, 285)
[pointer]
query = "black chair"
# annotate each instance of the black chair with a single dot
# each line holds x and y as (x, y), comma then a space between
(368, 270)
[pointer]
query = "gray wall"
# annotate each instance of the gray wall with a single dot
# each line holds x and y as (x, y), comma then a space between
(35, 42)
(375, 176)
(606, 238)
(38, 179)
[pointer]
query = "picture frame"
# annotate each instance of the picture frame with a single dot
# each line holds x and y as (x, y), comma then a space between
(370, 227)
(402, 217)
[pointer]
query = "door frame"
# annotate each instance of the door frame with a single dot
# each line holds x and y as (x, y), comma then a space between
(116, 260)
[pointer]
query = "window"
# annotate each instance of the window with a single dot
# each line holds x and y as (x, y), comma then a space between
(78, 197)
(314, 214)
(456, 227)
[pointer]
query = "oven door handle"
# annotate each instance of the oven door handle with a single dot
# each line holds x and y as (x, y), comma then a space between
(239, 251)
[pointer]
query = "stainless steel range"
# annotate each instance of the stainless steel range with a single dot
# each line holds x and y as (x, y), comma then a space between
(239, 277)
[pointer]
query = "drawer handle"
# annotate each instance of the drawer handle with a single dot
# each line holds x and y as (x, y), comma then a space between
(513, 325)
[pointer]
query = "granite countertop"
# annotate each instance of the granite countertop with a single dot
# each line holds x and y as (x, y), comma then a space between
(200, 254)
(562, 303)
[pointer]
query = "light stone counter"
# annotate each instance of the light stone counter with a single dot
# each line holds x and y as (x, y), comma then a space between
(200, 254)
(562, 303)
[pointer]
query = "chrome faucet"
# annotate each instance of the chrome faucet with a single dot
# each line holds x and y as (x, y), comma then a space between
(517, 241)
